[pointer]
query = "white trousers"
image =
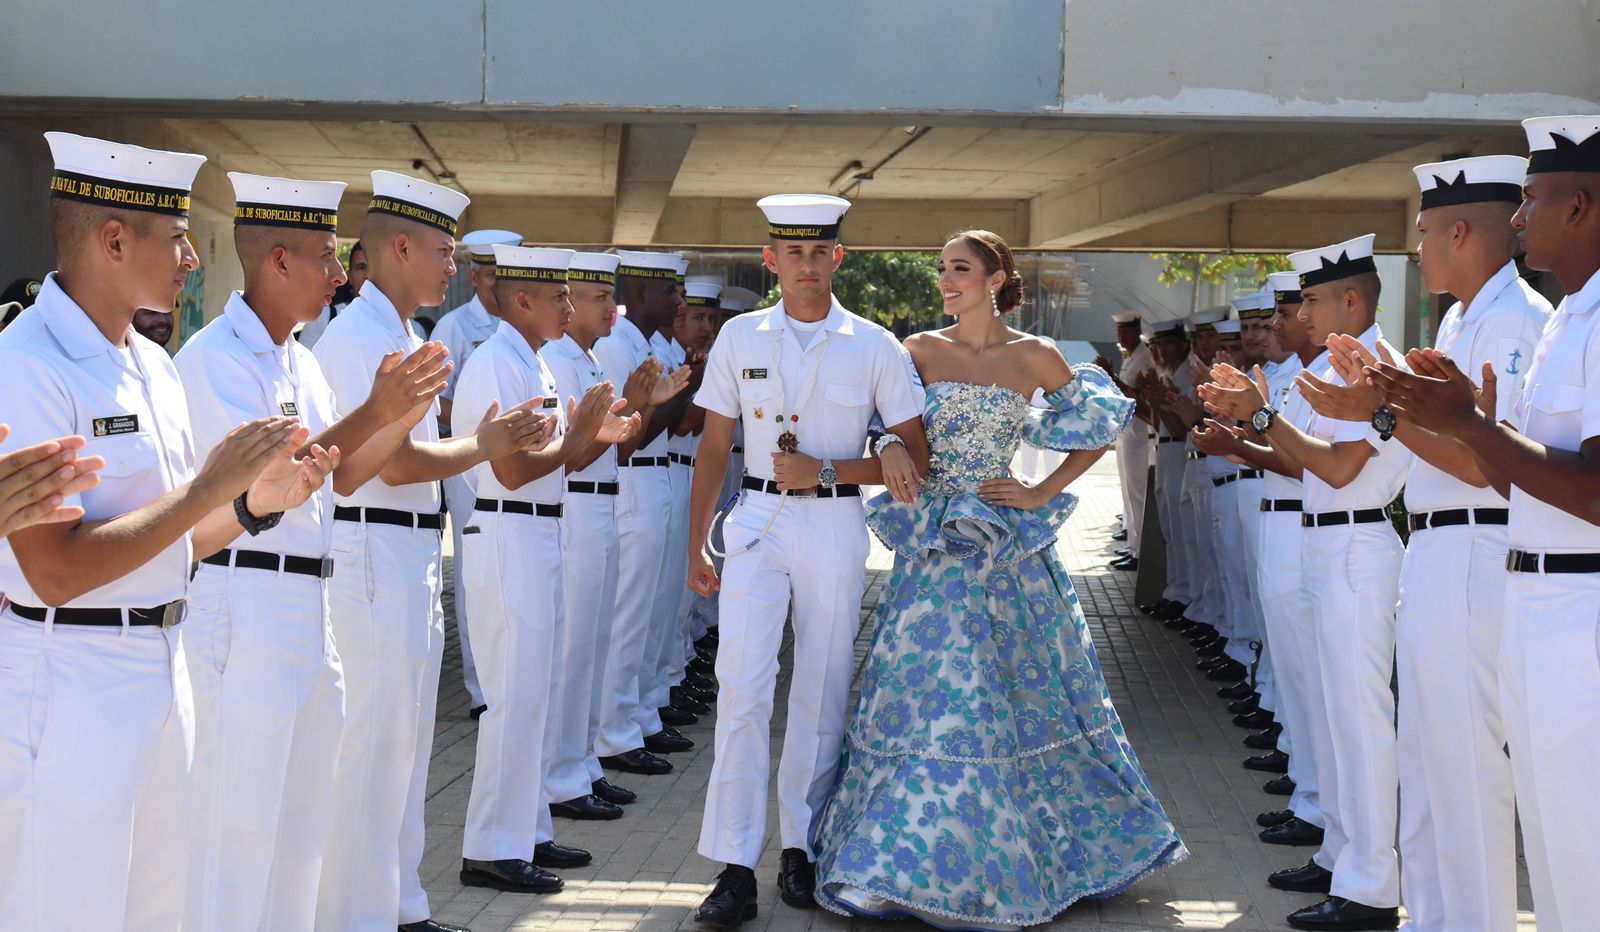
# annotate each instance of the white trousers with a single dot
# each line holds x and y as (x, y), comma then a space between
(1195, 512)
(815, 555)
(1229, 558)
(1249, 515)
(458, 498)
(1457, 807)
(384, 603)
(515, 577)
(642, 509)
(1169, 501)
(589, 585)
(1133, 463)
(1352, 576)
(670, 618)
(269, 711)
(96, 732)
(1292, 641)
(1550, 680)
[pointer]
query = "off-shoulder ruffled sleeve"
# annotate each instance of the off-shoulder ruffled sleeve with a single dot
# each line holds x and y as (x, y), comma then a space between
(1087, 413)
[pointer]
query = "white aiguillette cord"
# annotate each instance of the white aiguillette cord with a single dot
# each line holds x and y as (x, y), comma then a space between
(806, 388)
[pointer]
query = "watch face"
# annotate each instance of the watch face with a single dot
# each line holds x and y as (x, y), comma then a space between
(1384, 421)
(1261, 420)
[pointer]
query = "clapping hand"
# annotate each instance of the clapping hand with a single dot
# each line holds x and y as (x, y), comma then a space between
(1436, 394)
(287, 482)
(519, 429)
(235, 463)
(402, 386)
(1217, 439)
(1233, 393)
(35, 482)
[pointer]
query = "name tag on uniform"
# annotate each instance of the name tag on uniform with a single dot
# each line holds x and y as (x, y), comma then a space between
(289, 409)
(116, 424)
(755, 373)
(548, 403)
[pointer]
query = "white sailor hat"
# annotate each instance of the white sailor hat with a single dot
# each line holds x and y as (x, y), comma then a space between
(648, 264)
(1228, 326)
(682, 270)
(532, 263)
(703, 291)
(1331, 263)
(1125, 317)
(480, 243)
(1563, 144)
(735, 298)
(414, 199)
(1256, 305)
(596, 268)
(1166, 328)
(1472, 180)
(261, 200)
(803, 216)
(1285, 287)
(1205, 321)
(115, 174)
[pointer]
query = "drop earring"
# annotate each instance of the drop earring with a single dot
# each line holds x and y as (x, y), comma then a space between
(994, 301)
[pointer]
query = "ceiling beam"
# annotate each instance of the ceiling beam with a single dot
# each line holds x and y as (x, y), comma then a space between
(1271, 224)
(647, 165)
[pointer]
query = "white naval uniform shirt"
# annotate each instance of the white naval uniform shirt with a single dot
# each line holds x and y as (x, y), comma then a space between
(462, 331)
(233, 373)
(621, 353)
(61, 376)
(1501, 326)
(681, 444)
(860, 370)
(575, 371)
(506, 369)
(1138, 363)
(1381, 476)
(1560, 408)
(1294, 409)
(349, 353)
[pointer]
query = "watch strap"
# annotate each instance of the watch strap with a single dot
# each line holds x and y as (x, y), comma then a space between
(252, 524)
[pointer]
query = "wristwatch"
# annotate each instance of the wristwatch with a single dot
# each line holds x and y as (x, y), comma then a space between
(827, 476)
(252, 524)
(1261, 421)
(1384, 422)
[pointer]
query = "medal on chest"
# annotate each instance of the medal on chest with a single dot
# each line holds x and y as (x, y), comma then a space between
(787, 441)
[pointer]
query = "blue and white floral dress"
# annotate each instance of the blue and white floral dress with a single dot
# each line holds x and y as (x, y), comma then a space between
(986, 781)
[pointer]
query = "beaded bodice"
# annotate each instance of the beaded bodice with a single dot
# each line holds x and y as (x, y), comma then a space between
(973, 431)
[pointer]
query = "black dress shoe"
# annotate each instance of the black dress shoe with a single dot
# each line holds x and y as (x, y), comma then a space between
(1199, 631)
(1125, 563)
(586, 809)
(1338, 913)
(1296, 832)
(663, 743)
(1120, 535)
(672, 716)
(611, 793)
(1180, 624)
(1278, 786)
(683, 702)
(1266, 739)
(637, 760)
(697, 693)
(1239, 690)
(1212, 648)
(1275, 817)
(797, 879)
(1124, 551)
(704, 655)
(512, 875)
(476, 712)
(700, 667)
(431, 925)
(1227, 673)
(671, 732)
(1241, 706)
(1207, 664)
(550, 854)
(1166, 611)
(1270, 762)
(1260, 718)
(1308, 878)
(732, 901)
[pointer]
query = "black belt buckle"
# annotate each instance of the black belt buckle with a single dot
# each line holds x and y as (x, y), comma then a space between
(174, 613)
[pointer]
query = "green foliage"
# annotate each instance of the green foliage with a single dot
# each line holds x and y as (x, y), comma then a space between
(886, 287)
(1215, 268)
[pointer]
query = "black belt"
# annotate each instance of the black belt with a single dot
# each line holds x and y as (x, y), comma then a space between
(647, 461)
(683, 458)
(511, 507)
(841, 490)
(1160, 440)
(261, 560)
(736, 448)
(1281, 504)
(1330, 518)
(1224, 480)
(1521, 561)
(162, 616)
(1251, 473)
(1194, 454)
(1421, 521)
(593, 488)
(410, 519)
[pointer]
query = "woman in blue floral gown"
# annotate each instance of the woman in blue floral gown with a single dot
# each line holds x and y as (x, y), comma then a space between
(986, 781)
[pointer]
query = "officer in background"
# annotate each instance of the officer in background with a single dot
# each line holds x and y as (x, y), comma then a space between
(1169, 348)
(1136, 442)
(461, 331)
(94, 833)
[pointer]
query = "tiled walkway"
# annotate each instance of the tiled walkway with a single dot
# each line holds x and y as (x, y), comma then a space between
(647, 875)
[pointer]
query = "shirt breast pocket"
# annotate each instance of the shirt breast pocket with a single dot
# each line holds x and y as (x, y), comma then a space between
(849, 396)
(1554, 415)
(126, 456)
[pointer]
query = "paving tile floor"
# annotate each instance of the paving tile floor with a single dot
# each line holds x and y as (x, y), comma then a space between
(648, 876)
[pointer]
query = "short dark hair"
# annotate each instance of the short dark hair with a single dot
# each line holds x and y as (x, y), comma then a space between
(72, 222)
